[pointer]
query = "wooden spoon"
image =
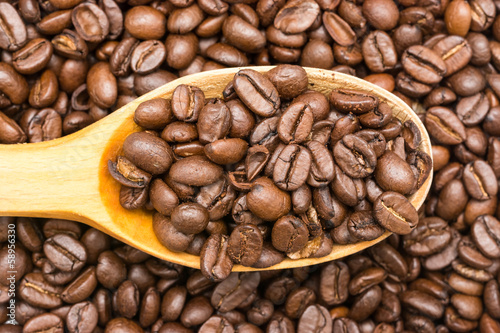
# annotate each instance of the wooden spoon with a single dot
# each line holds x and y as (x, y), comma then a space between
(68, 178)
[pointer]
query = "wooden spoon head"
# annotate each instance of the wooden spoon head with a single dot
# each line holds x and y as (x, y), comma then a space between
(135, 227)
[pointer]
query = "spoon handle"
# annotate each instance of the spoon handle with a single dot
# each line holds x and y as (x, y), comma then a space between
(56, 179)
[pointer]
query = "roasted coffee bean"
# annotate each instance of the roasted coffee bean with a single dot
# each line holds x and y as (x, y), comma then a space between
(41, 125)
(13, 33)
(65, 252)
(484, 232)
(187, 103)
(295, 123)
(479, 180)
(289, 234)
(147, 57)
(395, 213)
(263, 192)
(354, 156)
(90, 22)
(353, 101)
(33, 57)
(168, 234)
(82, 317)
(379, 52)
(135, 23)
(423, 64)
(257, 92)
(315, 318)
(444, 126)
(13, 85)
(338, 29)
(400, 179)
(234, 290)
(214, 258)
(45, 322)
(455, 51)
(38, 292)
(292, 167)
(213, 122)
(245, 244)
(81, 287)
(70, 44)
(363, 226)
(139, 148)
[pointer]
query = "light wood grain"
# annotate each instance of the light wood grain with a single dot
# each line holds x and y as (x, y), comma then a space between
(67, 178)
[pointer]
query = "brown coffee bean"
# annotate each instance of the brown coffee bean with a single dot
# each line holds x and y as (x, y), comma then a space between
(245, 244)
(13, 33)
(181, 50)
(177, 22)
(70, 44)
(354, 156)
(226, 151)
(289, 234)
(33, 57)
(444, 126)
(44, 322)
(213, 122)
(189, 218)
(455, 51)
(289, 80)
(90, 22)
(338, 29)
(395, 213)
(267, 201)
(458, 18)
(379, 51)
(353, 101)
(257, 92)
(216, 265)
(139, 148)
(400, 179)
(479, 180)
(423, 64)
(381, 14)
(13, 85)
(243, 35)
(168, 235)
(296, 16)
(147, 57)
(144, 22)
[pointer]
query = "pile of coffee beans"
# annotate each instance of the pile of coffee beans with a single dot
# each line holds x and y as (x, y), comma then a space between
(64, 65)
(270, 169)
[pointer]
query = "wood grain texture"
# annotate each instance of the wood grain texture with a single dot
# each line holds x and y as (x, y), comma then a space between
(67, 178)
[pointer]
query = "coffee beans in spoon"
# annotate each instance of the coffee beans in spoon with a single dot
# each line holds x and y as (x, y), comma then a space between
(288, 185)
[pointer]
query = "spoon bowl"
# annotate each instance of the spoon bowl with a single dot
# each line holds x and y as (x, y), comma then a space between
(68, 178)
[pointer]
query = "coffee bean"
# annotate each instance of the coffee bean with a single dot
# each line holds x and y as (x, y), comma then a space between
(257, 92)
(214, 258)
(82, 317)
(394, 174)
(296, 16)
(338, 29)
(484, 232)
(444, 126)
(13, 33)
(245, 245)
(379, 51)
(289, 234)
(423, 64)
(90, 22)
(362, 226)
(139, 147)
(395, 213)
(354, 156)
(135, 25)
(45, 322)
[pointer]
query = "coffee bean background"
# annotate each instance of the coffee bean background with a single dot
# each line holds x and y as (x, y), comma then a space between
(67, 63)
